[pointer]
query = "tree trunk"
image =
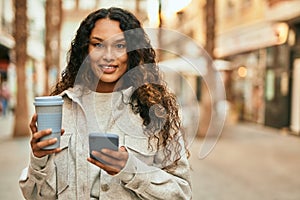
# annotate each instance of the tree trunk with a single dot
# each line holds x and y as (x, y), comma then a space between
(52, 46)
(210, 27)
(160, 32)
(207, 94)
(21, 127)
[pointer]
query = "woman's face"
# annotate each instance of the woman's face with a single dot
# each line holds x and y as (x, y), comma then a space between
(107, 51)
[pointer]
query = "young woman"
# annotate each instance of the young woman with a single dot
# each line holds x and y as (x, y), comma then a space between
(111, 84)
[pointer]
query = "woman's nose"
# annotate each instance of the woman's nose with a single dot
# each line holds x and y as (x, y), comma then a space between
(108, 55)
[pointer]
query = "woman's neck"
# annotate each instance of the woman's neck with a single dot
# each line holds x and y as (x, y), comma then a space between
(104, 87)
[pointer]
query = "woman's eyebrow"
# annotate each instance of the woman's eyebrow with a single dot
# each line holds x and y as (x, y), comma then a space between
(96, 38)
(120, 40)
(101, 40)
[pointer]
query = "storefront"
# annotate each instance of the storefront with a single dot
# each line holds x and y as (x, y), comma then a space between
(247, 78)
(261, 72)
(295, 79)
(4, 62)
(6, 43)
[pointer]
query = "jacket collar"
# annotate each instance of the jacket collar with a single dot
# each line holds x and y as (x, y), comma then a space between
(75, 93)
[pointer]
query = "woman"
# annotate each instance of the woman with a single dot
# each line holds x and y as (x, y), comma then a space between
(111, 84)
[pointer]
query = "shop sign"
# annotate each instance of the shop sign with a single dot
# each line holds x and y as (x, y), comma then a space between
(250, 38)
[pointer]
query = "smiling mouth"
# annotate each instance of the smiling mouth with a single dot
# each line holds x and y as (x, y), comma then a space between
(108, 68)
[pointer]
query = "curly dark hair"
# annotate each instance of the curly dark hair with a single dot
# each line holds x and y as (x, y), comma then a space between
(151, 98)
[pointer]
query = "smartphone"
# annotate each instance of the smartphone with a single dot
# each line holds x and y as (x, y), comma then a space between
(98, 141)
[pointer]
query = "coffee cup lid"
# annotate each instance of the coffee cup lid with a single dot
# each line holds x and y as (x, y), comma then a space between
(48, 101)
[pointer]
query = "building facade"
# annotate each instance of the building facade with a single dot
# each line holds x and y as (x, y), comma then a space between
(261, 40)
(7, 42)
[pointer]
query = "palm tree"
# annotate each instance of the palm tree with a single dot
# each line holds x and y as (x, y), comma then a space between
(52, 46)
(207, 99)
(21, 127)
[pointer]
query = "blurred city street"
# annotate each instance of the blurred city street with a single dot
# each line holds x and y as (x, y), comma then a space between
(248, 162)
(236, 58)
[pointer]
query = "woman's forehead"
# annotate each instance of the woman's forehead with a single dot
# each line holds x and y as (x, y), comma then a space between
(107, 29)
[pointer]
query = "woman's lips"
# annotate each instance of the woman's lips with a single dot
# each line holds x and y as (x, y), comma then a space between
(108, 69)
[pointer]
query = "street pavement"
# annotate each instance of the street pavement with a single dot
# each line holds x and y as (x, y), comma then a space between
(248, 161)
(13, 158)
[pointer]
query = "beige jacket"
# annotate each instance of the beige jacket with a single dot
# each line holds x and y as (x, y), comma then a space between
(67, 175)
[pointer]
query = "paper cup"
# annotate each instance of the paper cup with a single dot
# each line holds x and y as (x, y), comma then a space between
(49, 112)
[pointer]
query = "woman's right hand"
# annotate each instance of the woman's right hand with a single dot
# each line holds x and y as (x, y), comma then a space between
(37, 145)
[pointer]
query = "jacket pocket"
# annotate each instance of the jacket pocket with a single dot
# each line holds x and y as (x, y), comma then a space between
(139, 146)
(62, 164)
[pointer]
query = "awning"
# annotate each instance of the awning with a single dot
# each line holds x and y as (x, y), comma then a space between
(7, 40)
(196, 66)
(192, 66)
(247, 38)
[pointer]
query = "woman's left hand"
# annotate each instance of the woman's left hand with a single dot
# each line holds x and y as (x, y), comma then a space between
(115, 161)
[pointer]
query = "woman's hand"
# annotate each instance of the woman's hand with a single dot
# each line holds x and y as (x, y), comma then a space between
(115, 161)
(36, 144)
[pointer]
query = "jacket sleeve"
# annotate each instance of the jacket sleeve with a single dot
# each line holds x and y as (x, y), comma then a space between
(150, 182)
(38, 180)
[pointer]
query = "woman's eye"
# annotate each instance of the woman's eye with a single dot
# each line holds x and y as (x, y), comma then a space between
(120, 46)
(99, 45)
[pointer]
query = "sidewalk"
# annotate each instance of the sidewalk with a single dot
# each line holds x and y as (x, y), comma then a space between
(6, 126)
(248, 162)
(13, 159)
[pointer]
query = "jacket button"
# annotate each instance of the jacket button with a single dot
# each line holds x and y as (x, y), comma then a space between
(104, 187)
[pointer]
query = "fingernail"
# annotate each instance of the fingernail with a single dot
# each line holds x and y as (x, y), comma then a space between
(103, 150)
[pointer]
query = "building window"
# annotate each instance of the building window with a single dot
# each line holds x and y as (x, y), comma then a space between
(69, 4)
(246, 4)
(86, 5)
(230, 7)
